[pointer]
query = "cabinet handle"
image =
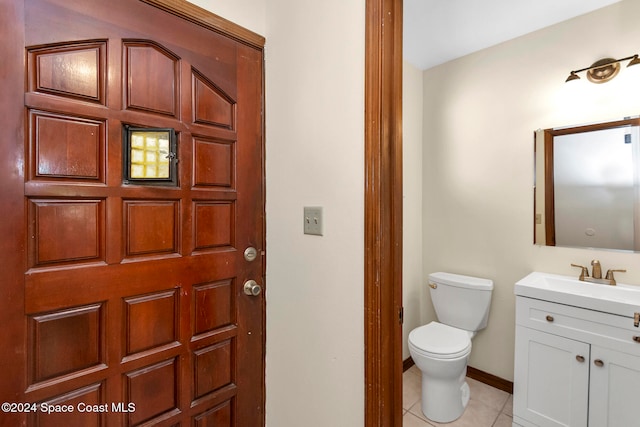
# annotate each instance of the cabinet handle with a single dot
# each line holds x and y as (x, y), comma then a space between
(549, 318)
(580, 358)
(598, 362)
(636, 338)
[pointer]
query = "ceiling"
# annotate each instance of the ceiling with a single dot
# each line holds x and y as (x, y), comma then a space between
(438, 31)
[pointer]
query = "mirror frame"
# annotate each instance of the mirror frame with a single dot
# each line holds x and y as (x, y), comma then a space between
(549, 195)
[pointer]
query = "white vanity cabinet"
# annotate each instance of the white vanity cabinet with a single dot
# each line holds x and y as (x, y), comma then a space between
(575, 367)
(613, 389)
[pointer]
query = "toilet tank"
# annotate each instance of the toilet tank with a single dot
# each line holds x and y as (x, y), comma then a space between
(461, 301)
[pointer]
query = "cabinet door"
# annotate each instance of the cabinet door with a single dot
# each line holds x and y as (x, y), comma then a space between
(551, 380)
(615, 381)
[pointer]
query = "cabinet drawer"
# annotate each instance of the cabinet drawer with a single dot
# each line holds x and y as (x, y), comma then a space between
(604, 329)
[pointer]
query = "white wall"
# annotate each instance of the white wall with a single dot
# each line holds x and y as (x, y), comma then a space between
(480, 113)
(314, 157)
(412, 278)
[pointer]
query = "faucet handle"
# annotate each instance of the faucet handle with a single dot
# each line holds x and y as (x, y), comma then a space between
(584, 272)
(610, 277)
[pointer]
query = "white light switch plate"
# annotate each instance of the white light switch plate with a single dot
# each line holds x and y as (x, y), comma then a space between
(313, 220)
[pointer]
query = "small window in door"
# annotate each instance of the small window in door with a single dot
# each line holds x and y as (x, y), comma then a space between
(149, 156)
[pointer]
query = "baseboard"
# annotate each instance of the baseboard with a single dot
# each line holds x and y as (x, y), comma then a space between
(476, 374)
(490, 379)
(407, 363)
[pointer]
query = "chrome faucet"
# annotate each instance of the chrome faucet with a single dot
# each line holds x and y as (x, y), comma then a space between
(596, 272)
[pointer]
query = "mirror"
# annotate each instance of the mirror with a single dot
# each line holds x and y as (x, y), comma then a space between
(587, 186)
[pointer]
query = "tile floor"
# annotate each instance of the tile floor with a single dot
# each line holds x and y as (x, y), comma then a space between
(488, 406)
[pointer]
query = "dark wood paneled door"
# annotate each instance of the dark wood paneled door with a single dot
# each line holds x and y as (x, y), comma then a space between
(122, 302)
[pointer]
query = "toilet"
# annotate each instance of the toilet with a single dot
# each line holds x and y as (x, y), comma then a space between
(441, 349)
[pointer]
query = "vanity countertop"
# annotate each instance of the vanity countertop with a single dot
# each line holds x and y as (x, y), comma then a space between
(621, 299)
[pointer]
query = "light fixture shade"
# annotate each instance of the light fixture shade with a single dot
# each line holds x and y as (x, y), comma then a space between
(603, 70)
(634, 61)
(572, 76)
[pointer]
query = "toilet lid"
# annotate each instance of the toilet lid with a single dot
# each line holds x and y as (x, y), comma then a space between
(440, 341)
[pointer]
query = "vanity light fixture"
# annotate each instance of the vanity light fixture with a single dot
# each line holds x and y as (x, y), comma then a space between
(604, 69)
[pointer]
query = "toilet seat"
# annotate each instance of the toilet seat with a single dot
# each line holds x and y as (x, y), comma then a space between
(439, 341)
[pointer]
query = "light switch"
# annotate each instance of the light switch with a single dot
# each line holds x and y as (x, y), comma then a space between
(313, 220)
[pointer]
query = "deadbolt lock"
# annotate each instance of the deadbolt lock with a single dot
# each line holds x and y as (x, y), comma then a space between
(250, 253)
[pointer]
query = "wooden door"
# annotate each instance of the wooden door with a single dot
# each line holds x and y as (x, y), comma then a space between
(123, 303)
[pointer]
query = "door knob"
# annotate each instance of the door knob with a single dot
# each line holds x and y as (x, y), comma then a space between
(598, 362)
(580, 358)
(252, 288)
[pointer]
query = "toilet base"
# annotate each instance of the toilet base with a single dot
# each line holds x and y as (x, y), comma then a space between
(444, 401)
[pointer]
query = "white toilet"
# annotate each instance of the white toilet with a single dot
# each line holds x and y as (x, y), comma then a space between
(441, 349)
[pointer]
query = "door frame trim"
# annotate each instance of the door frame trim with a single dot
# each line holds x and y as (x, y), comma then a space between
(383, 214)
(209, 20)
(14, 239)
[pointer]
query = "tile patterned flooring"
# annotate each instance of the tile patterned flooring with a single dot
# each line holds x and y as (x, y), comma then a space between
(488, 406)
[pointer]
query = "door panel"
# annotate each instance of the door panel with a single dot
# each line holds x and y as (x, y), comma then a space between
(133, 308)
(612, 390)
(551, 383)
